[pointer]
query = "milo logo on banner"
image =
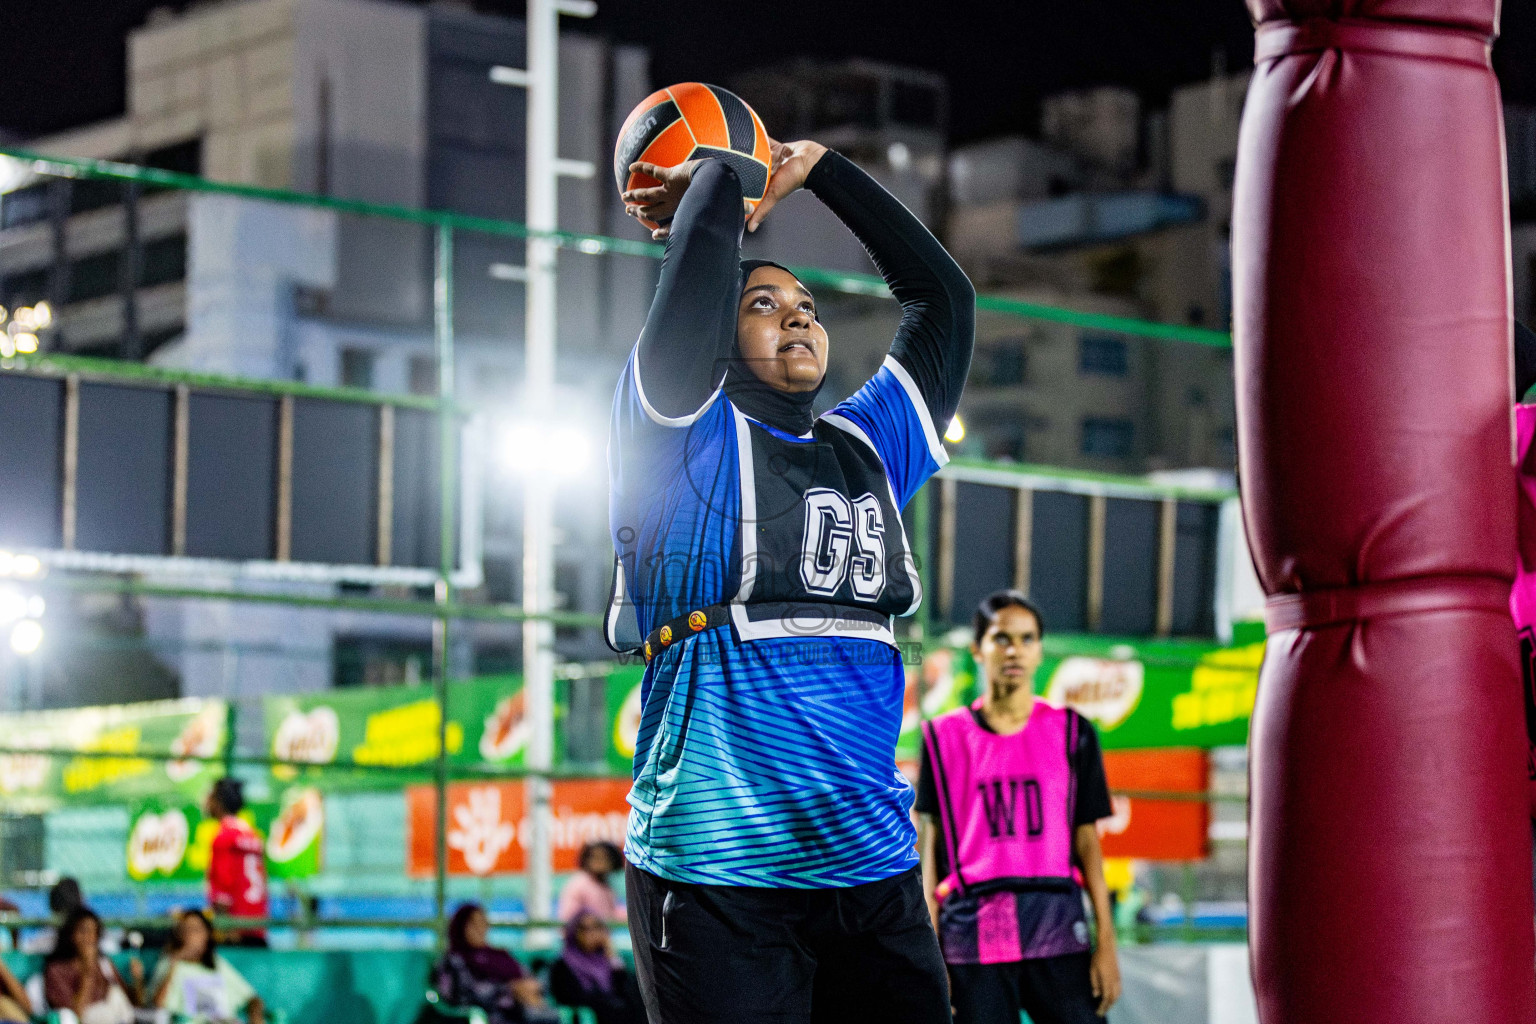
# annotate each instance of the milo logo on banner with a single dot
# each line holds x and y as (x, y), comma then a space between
(310, 737)
(505, 733)
(157, 844)
(294, 837)
(1101, 689)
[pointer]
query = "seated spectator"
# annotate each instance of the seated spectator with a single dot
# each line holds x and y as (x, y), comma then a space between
(589, 888)
(77, 977)
(588, 974)
(15, 1007)
(192, 980)
(475, 973)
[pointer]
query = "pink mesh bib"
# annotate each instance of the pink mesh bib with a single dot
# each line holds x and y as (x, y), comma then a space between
(1006, 806)
(1522, 599)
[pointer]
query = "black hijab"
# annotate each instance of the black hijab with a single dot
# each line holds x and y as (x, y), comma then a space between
(788, 411)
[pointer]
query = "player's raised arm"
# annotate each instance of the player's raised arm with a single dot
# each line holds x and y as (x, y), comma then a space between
(938, 320)
(692, 321)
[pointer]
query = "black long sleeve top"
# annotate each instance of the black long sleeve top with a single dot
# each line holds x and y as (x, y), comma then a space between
(690, 331)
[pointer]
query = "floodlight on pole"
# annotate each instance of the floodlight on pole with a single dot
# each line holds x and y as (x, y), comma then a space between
(26, 636)
(956, 432)
(19, 566)
(551, 450)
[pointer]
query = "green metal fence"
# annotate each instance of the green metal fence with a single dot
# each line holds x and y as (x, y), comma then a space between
(445, 608)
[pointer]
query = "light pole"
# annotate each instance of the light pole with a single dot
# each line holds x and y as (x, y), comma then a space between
(541, 79)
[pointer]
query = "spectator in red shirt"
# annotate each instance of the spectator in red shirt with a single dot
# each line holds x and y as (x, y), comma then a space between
(237, 866)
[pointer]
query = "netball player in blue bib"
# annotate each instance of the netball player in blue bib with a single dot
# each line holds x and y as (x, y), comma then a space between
(760, 561)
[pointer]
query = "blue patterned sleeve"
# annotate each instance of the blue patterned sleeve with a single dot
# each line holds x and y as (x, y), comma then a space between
(890, 411)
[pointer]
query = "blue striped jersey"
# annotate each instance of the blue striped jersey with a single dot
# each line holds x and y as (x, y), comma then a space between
(766, 748)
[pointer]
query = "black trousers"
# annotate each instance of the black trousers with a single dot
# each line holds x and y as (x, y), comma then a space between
(1052, 990)
(714, 954)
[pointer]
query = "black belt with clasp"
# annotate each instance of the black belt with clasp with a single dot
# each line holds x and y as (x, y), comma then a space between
(684, 626)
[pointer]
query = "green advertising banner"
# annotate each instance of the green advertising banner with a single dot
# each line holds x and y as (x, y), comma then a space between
(112, 754)
(169, 842)
(345, 732)
(1148, 695)
(623, 691)
(1156, 695)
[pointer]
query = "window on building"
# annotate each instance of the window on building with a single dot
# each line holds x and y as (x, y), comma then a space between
(1009, 364)
(323, 136)
(1109, 437)
(24, 289)
(357, 368)
(95, 276)
(24, 206)
(94, 194)
(1002, 362)
(380, 661)
(855, 101)
(164, 261)
(152, 340)
(181, 157)
(423, 371)
(1103, 356)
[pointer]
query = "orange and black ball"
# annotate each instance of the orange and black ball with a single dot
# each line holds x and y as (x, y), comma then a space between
(688, 122)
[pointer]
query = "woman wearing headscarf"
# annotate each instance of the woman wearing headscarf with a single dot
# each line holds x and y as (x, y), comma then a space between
(588, 974)
(475, 973)
(761, 559)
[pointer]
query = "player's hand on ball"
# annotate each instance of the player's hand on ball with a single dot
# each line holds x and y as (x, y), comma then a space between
(1104, 973)
(792, 163)
(658, 203)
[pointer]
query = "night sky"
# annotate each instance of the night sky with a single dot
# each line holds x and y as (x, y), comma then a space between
(61, 61)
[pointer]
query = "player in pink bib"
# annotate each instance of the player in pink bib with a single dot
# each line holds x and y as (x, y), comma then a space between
(1009, 791)
(1522, 598)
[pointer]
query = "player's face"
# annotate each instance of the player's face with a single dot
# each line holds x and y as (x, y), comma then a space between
(778, 333)
(1010, 648)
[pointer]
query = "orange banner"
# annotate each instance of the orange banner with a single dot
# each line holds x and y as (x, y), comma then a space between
(1157, 829)
(488, 824)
